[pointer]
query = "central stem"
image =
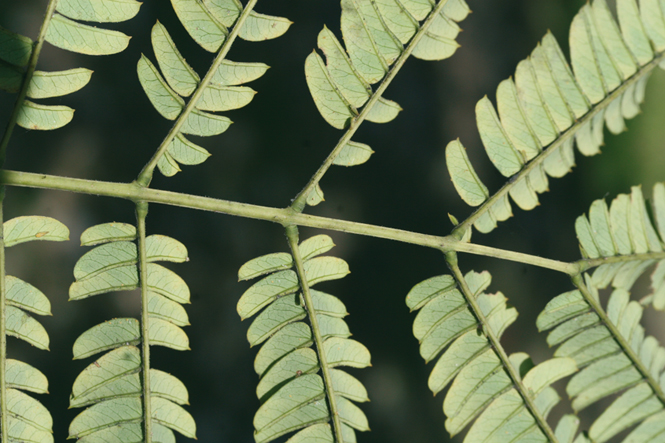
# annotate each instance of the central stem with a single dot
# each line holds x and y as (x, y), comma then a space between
(3, 326)
(292, 235)
(287, 216)
(141, 214)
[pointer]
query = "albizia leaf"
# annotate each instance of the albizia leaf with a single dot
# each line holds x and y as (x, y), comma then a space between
(552, 105)
(482, 390)
(291, 387)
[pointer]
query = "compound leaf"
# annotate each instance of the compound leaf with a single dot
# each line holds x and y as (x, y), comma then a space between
(551, 106)
(291, 387)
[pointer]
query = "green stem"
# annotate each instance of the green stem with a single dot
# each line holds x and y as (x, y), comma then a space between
(451, 259)
(3, 327)
(141, 214)
(32, 65)
(134, 192)
(578, 281)
(287, 216)
(299, 202)
(292, 235)
(487, 251)
(145, 176)
(552, 148)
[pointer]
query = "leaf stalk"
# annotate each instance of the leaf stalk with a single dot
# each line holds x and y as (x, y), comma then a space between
(141, 214)
(487, 251)
(292, 235)
(285, 216)
(3, 327)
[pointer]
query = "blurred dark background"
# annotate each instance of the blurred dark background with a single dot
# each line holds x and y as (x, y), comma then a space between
(265, 158)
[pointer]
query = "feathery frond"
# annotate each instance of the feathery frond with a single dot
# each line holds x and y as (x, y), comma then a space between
(547, 108)
(23, 417)
(66, 32)
(506, 398)
(305, 393)
(615, 356)
(375, 33)
(112, 387)
(293, 388)
(208, 23)
(610, 344)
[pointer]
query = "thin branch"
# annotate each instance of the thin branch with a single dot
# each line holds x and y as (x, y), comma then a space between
(292, 235)
(552, 148)
(3, 327)
(145, 176)
(141, 214)
(32, 65)
(487, 251)
(299, 202)
(134, 192)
